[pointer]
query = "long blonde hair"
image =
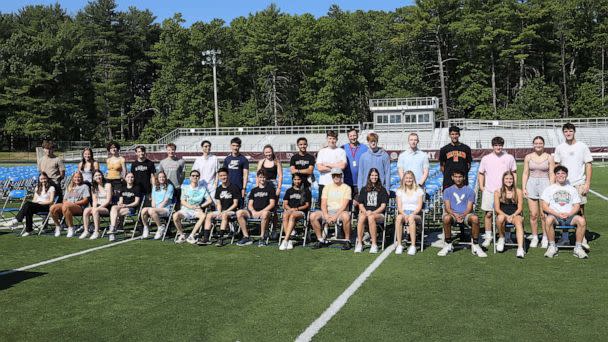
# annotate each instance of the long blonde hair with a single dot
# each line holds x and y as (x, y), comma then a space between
(404, 187)
(503, 189)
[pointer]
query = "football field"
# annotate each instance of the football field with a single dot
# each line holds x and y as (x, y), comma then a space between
(152, 290)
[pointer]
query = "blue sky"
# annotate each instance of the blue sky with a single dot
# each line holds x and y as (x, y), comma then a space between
(205, 10)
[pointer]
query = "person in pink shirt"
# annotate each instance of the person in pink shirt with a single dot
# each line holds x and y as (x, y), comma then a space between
(491, 169)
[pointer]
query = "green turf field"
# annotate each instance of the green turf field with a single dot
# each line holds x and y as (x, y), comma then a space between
(151, 290)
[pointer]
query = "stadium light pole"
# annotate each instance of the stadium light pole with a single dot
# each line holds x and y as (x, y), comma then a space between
(211, 57)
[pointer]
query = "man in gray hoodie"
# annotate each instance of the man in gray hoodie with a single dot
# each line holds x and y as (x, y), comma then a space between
(375, 157)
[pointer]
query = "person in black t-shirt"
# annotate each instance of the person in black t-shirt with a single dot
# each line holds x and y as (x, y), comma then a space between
(303, 163)
(296, 203)
(455, 156)
(227, 198)
(373, 199)
(128, 202)
(260, 205)
(143, 169)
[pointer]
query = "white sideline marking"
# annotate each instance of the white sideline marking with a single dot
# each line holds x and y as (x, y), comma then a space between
(50, 261)
(598, 195)
(333, 309)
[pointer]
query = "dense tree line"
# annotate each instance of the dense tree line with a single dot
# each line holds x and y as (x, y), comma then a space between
(108, 74)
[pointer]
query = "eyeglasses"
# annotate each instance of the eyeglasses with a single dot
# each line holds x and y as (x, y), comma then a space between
(197, 176)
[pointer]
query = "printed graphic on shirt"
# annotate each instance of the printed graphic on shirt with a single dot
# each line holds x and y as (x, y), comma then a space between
(562, 197)
(455, 155)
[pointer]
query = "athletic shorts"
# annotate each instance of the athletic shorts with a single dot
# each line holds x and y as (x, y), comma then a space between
(487, 201)
(466, 218)
(163, 212)
(536, 186)
(218, 215)
(579, 188)
(188, 213)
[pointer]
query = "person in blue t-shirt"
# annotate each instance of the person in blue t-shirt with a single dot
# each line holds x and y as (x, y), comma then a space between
(194, 199)
(458, 201)
(237, 165)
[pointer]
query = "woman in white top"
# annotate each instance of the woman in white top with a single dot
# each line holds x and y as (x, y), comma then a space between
(88, 165)
(44, 196)
(410, 198)
(102, 197)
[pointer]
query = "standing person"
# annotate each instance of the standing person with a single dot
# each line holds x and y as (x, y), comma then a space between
(374, 158)
(415, 160)
(303, 163)
(143, 170)
(102, 202)
(173, 167)
(373, 198)
(537, 176)
(117, 169)
(53, 166)
(273, 168)
(76, 198)
(238, 166)
(575, 156)
(130, 197)
(207, 166)
(227, 198)
(260, 205)
(296, 203)
(354, 150)
(410, 198)
(88, 165)
(44, 195)
(491, 170)
(329, 158)
(455, 156)
(458, 202)
(509, 205)
(562, 203)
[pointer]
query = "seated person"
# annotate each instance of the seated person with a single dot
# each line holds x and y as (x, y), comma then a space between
(161, 201)
(260, 205)
(335, 199)
(76, 198)
(561, 204)
(192, 205)
(296, 203)
(129, 200)
(44, 195)
(372, 200)
(508, 205)
(458, 201)
(227, 199)
(410, 199)
(102, 201)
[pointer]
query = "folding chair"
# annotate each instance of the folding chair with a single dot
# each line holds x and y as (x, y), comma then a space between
(258, 221)
(232, 230)
(509, 227)
(12, 204)
(420, 225)
(121, 225)
(303, 223)
(564, 229)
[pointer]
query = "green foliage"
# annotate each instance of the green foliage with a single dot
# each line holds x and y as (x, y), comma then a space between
(536, 100)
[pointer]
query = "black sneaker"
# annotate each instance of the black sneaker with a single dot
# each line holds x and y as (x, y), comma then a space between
(220, 242)
(245, 241)
(319, 244)
(346, 246)
(204, 242)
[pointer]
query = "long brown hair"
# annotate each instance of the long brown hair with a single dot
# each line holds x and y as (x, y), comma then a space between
(503, 189)
(373, 186)
(39, 187)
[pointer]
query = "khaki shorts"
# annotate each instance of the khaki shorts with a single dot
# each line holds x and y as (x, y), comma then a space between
(579, 188)
(487, 201)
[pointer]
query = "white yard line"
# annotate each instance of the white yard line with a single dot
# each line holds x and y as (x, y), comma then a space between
(50, 261)
(333, 309)
(598, 195)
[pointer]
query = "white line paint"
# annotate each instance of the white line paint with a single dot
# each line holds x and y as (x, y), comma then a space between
(333, 309)
(50, 261)
(598, 195)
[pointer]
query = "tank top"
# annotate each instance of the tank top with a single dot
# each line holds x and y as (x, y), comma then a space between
(271, 172)
(508, 208)
(114, 168)
(539, 169)
(102, 195)
(87, 174)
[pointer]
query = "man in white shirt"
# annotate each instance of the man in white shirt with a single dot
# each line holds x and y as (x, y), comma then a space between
(328, 158)
(207, 166)
(415, 160)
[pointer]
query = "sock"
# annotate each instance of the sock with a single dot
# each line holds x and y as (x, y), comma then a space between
(579, 245)
(545, 237)
(552, 243)
(146, 227)
(206, 234)
(488, 234)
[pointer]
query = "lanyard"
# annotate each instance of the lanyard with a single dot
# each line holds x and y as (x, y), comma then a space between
(353, 153)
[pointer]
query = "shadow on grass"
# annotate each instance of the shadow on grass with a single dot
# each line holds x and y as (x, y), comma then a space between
(592, 236)
(9, 280)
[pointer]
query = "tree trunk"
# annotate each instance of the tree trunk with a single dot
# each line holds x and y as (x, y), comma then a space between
(602, 73)
(444, 95)
(564, 75)
(494, 85)
(274, 98)
(122, 123)
(521, 73)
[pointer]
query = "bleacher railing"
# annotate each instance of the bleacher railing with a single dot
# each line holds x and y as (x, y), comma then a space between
(473, 124)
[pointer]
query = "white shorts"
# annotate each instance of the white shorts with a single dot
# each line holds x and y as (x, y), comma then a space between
(188, 213)
(487, 201)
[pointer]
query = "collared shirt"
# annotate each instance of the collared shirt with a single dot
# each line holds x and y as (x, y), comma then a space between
(416, 161)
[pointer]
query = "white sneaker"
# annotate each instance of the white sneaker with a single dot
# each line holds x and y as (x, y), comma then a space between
(411, 250)
(25, 233)
(521, 253)
(487, 240)
(94, 236)
(476, 250)
(283, 245)
(399, 249)
(579, 253)
(70, 232)
(111, 237)
(146, 233)
(439, 243)
(159, 233)
(585, 244)
(289, 245)
(9, 223)
(58, 232)
(191, 240)
(448, 248)
(534, 242)
(84, 235)
(544, 243)
(373, 249)
(500, 245)
(180, 239)
(358, 247)
(551, 251)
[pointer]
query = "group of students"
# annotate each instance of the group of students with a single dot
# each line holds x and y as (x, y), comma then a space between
(349, 174)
